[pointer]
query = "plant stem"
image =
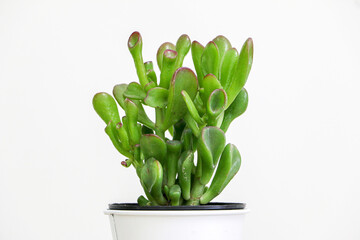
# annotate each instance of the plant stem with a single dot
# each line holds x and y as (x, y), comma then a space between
(159, 114)
(196, 192)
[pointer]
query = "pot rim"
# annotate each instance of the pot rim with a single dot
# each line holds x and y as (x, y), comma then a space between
(215, 208)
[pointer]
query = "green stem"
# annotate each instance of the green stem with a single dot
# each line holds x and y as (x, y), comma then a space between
(159, 114)
(197, 191)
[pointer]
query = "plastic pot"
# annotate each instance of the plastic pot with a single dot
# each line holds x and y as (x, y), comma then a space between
(215, 221)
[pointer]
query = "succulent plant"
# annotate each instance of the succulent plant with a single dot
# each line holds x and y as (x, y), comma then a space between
(182, 157)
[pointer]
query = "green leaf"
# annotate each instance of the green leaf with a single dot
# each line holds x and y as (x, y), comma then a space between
(151, 180)
(196, 52)
(151, 75)
(183, 79)
(149, 86)
(175, 195)
(210, 60)
(132, 112)
(183, 46)
(216, 103)
(171, 161)
(134, 91)
(223, 45)
(149, 65)
(185, 166)
(118, 93)
(229, 165)
(187, 140)
(168, 67)
(152, 145)
(123, 136)
(105, 107)
(228, 67)
(157, 97)
(135, 48)
(160, 52)
(178, 129)
(210, 83)
(191, 107)
(111, 132)
(237, 107)
(142, 201)
(210, 146)
(242, 71)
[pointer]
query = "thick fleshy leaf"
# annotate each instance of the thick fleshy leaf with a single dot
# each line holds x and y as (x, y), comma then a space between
(118, 93)
(135, 48)
(191, 107)
(111, 132)
(183, 46)
(151, 75)
(196, 52)
(210, 60)
(171, 161)
(178, 129)
(183, 79)
(168, 67)
(157, 97)
(149, 65)
(105, 106)
(152, 145)
(123, 136)
(237, 107)
(132, 112)
(185, 166)
(229, 165)
(134, 91)
(175, 195)
(142, 201)
(210, 83)
(228, 67)
(210, 146)
(151, 180)
(160, 52)
(223, 45)
(216, 103)
(192, 124)
(187, 140)
(242, 71)
(149, 86)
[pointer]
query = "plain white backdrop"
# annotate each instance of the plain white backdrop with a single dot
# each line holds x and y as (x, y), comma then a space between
(299, 139)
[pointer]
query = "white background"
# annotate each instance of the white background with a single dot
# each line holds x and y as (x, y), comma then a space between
(299, 139)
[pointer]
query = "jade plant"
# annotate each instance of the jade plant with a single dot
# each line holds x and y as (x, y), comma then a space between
(182, 157)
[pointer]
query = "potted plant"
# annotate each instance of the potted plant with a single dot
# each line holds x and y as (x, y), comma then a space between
(181, 158)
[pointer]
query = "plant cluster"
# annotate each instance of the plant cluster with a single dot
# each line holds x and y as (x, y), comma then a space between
(196, 111)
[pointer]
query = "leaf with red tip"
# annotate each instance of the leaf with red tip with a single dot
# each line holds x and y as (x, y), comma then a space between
(183, 79)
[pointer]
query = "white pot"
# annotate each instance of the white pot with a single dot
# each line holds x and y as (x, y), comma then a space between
(177, 225)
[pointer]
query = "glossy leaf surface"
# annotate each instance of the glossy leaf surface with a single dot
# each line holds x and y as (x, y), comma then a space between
(105, 106)
(152, 178)
(229, 165)
(183, 79)
(242, 71)
(160, 52)
(157, 97)
(210, 146)
(134, 91)
(210, 60)
(184, 169)
(237, 107)
(152, 145)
